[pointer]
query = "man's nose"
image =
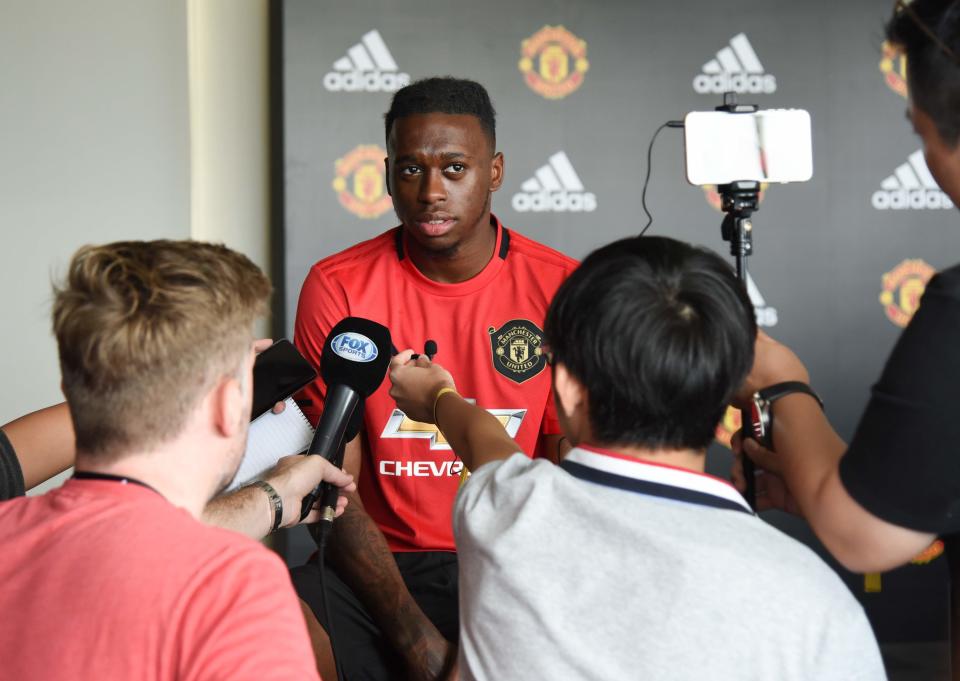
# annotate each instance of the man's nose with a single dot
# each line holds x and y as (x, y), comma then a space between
(432, 188)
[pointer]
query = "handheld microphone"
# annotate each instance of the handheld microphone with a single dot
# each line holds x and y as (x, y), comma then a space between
(353, 364)
(429, 349)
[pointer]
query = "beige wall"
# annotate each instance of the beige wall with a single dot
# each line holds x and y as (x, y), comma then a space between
(229, 125)
(120, 119)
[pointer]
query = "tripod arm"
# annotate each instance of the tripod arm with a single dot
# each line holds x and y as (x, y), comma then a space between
(739, 200)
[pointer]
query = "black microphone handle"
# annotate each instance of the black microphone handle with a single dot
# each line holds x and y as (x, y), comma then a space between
(337, 409)
(328, 501)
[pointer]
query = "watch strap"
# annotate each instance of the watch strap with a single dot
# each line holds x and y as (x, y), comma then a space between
(275, 501)
(774, 392)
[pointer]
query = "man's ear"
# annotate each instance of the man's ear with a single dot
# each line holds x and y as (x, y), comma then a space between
(496, 171)
(226, 402)
(386, 174)
(570, 392)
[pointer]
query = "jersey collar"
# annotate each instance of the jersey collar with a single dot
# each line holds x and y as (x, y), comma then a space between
(611, 469)
(502, 247)
(482, 278)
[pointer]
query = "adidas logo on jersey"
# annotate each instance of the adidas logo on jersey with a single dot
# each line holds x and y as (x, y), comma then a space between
(766, 315)
(911, 187)
(368, 66)
(554, 187)
(736, 68)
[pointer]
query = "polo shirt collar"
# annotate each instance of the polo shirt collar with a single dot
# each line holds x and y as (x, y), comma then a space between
(611, 469)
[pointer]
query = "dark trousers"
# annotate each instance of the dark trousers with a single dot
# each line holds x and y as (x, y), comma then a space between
(360, 647)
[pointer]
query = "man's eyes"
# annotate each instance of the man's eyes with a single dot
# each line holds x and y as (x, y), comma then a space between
(451, 168)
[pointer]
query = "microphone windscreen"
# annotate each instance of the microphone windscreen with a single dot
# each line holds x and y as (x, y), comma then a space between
(356, 354)
(430, 348)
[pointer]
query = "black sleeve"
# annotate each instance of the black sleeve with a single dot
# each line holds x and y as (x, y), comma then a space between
(903, 464)
(11, 475)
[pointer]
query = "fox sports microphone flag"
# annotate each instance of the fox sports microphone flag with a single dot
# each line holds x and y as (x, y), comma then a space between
(353, 364)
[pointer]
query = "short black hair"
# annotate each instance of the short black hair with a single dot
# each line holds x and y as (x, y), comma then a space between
(661, 335)
(933, 75)
(444, 94)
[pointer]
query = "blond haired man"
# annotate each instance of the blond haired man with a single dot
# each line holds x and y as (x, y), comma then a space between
(113, 576)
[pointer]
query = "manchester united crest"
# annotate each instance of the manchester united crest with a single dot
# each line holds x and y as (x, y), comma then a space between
(360, 184)
(517, 352)
(729, 424)
(893, 66)
(903, 287)
(553, 61)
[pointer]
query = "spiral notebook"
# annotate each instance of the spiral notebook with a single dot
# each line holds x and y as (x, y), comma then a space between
(270, 437)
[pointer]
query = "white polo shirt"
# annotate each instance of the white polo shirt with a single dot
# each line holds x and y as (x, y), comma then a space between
(607, 567)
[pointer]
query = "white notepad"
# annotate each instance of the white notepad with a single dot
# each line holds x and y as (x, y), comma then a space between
(270, 437)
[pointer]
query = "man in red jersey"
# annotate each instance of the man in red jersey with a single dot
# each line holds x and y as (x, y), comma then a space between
(451, 273)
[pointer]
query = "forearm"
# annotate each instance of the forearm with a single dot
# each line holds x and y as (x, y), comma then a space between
(44, 443)
(554, 447)
(475, 435)
(359, 552)
(247, 510)
(811, 451)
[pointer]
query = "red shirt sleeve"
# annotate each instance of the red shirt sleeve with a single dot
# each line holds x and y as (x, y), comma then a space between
(322, 304)
(242, 621)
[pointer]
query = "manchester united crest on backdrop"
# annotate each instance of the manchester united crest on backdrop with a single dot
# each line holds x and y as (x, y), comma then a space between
(553, 62)
(360, 183)
(902, 288)
(516, 348)
(893, 66)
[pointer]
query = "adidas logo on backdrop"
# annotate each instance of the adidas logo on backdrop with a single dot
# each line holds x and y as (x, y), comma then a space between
(736, 68)
(368, 66)
(554, 187)
(911, 187)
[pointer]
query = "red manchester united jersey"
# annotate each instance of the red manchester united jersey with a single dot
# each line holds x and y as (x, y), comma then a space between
(489, 332)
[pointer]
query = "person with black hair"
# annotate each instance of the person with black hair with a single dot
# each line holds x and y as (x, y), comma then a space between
(627, 561)
(879, 502)
(453, 274)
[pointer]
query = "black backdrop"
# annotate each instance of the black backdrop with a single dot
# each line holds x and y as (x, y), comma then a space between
(579, 88)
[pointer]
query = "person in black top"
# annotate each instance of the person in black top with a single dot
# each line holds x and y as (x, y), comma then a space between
(11, 475)
(879, 502)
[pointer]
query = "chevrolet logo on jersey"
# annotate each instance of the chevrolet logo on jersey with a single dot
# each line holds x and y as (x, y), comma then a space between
(399, 425)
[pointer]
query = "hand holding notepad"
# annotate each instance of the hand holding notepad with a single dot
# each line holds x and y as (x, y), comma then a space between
(270, 437)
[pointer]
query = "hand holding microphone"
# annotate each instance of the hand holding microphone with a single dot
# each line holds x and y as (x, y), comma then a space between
(294, 476)
(416, 385)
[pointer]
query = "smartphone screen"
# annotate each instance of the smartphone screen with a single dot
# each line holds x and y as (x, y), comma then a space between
(278, 372)
(771, 145)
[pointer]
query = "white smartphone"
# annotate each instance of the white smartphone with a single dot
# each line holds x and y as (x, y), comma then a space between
(772, 145)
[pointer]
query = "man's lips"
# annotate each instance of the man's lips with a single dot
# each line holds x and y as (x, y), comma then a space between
(435, 226)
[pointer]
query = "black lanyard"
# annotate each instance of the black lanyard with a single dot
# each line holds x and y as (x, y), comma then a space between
(122, 479)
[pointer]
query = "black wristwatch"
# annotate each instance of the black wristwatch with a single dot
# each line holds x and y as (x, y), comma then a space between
(761, 417)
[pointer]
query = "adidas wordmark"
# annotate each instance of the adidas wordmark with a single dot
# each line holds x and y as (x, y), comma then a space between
(736, 68)
(554, 187)
(368, 66)
(911, 187)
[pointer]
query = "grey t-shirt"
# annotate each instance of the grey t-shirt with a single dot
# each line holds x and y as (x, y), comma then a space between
(609, 568)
